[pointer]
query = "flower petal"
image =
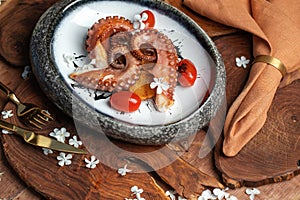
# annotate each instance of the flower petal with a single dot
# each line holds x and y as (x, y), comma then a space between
(136, 25)
(144, 17)
(137, 17)
(159, 90)
(61, 163)
(153, 85)
(142, 25)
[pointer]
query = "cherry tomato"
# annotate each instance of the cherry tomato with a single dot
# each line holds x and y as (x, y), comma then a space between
(125, 101)
(150, 21)
(187, 73)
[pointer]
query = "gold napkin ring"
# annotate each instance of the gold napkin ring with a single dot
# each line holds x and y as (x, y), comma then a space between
(272, 61)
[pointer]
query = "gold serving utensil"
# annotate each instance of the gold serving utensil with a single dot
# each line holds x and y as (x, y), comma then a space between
(40, 140)
(28, 114)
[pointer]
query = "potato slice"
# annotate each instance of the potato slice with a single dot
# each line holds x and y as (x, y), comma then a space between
(142, 86)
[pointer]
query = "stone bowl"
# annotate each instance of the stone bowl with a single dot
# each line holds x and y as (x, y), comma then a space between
(60, 35)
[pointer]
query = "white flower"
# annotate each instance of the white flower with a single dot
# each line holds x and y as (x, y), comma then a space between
(207, 195)
(171, 194)
(242, 61)
(252, 192)
(123, 171)
(74, 142)
(221, 193)
(60, 134)
(91, 163)
(69, 59)
(138, 21)
(6, 114)
(47, 151)
(6, 132)
(137, 192)
(26, 73)
(159, 85)
(64, 159)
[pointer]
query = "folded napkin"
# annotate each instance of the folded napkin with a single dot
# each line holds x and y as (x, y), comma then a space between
(275, 25)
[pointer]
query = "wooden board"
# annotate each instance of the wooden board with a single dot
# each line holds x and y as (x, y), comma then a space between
(273, 155)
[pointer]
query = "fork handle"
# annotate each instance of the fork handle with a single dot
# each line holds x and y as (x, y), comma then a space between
(9, 94)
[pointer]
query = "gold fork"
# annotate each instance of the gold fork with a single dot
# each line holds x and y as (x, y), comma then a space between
(28, 114)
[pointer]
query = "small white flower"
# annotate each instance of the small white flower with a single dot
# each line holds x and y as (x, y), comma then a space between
(6, 132)
(242, 61)
(60, 134)
(91, 163)
(207, 195)
(69, 59)
(6, 114)
(26, 73)
(74, 142)
(171, 194)
(47, 151)
(252, 192)
(137, 192)
(159, 85)
(64, 159)
(123, 171)
(220, 194)
(138, 21)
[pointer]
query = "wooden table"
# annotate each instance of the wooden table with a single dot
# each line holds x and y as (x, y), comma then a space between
(12, 187)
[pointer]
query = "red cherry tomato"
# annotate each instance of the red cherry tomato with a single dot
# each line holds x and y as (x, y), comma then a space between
(187, 73)
(150, 21)
(125, 101)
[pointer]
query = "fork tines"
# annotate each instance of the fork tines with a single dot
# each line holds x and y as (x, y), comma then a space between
(40, 119)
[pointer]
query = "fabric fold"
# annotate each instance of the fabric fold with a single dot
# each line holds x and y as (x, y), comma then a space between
(275, 26)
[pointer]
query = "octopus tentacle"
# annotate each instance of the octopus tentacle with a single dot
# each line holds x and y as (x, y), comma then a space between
(105, 28)
(112, 78)
(166, 60)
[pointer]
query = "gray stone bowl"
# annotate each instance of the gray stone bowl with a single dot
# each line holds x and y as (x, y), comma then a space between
(54, 86)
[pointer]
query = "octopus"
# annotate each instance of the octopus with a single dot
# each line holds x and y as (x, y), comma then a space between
(119, 54)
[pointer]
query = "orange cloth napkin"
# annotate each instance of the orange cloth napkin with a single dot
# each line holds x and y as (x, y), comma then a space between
(275, 25)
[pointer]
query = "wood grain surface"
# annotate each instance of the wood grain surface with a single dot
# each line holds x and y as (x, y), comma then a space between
(17, 20)
(29, 174)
